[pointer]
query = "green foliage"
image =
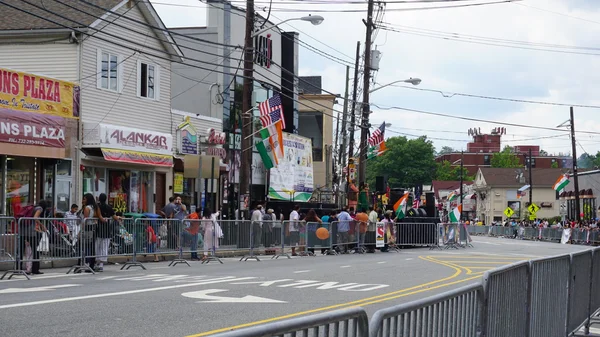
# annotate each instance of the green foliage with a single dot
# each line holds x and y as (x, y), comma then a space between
(406, 162)
(445, 149)
(554, 165)
(446, 172)
(587, 160)
(505, 159)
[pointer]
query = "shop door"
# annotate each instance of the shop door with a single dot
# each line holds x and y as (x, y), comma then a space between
(161, 181)
(63, 195)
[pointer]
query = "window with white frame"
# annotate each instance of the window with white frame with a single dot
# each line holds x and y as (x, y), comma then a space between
(108, 71)
(148, 80)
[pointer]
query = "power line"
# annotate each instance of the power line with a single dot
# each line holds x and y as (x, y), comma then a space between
(299, 10)
(448, 94)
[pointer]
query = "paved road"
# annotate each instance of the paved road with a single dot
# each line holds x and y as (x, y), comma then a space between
(205, 299)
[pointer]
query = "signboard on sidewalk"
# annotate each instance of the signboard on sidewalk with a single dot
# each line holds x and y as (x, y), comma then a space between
(380, 235)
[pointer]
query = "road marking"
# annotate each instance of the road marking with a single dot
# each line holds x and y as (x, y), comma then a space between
(410, 258)
(120, 293)
(345, 266)
(204, 295)
(35, 289)
(381, 262)
(443, 282)
(490, 243)
(46, 276)
(106, 278)
(301, 271)
(262, 283)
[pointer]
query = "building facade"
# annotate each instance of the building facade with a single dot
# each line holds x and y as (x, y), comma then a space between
(119, 54)
(212, 90)
(589, 189)
(497, 189)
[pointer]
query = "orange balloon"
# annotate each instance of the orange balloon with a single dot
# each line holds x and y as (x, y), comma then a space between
(322, 233)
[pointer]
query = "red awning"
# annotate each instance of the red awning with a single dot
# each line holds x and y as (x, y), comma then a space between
(136, 157)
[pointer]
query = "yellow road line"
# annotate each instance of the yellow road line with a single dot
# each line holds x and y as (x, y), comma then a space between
(481, 262)
(479, 257)
(362, 302)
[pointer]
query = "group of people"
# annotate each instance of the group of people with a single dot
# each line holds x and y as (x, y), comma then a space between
(350, 230)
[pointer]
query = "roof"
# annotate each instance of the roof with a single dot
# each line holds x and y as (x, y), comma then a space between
(309, 85)
(14, 19)
(39, 15)
(442, 185)
(508, 176)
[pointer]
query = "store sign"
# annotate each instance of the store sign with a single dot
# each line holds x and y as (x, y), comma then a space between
(178, 183)
(235, 141)
(123, 138)
(118, 202)
(187, 137)
(264, 50)
(33, 93)
(26, 128)
(217, 152)
(216, 137)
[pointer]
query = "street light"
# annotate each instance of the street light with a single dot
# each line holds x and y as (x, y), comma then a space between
(413, 81)
(314, 19)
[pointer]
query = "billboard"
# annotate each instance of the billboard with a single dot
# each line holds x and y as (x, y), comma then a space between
(292, 179)
(32, 93)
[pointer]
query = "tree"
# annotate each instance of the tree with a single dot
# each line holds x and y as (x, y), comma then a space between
(446, 172)
(505, 159)
(554, 165)
(587, 160)
(445, 150)
(543, 153)
(405, 163)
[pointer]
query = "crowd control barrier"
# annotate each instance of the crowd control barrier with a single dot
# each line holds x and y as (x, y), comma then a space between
(352, 322)
(453, 313)
(550, 297)
(417, 234)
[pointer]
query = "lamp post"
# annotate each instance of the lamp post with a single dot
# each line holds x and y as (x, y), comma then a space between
(247, 104)
(365, 128)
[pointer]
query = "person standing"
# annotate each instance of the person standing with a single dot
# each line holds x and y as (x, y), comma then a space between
(363, 221)
(90, 210)
(212, 233)
(293, 229)
(191, 233)
(343, 228)
(373, 219)
(312, 223)
(30, 234)
(256, 220)
(105, 231)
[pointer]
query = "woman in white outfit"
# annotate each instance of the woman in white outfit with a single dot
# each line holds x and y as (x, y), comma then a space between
(211, 232)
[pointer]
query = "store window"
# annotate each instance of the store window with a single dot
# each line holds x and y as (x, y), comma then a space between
(130, 191)
(94, 181)
(20, 182)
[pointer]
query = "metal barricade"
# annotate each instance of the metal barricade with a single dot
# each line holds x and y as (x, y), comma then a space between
(450, 233)
(465, 238)
(506, 294)
(345, 237)
(155, 237)
(250, 238)
(579, 290)
(351, 322)
(417, 234)
(548, 299)
(86, 245)
(313, 242)
(454, 313)
(594, 302)
(8, 239)
(285, 240)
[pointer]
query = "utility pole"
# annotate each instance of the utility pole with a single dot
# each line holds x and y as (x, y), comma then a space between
(352, 112)
(575, 177)
(246, 155)
(461, 181)
(364, 125)
(530, 178)
(342, 149)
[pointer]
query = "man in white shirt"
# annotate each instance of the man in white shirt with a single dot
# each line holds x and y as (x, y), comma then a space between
(293, 228)
(373, 218)
(256, 223)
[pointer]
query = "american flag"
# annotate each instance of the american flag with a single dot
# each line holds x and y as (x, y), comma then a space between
(271, 111)
(417, 201)
(377, 135)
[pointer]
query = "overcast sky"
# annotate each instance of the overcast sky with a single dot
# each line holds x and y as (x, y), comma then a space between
(562, 72)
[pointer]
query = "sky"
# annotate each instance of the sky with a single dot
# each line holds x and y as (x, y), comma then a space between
(530, 50)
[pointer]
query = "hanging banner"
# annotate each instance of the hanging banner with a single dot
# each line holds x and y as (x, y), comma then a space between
(32, 93)
(23, 128)
(178, 183)
(292, 179)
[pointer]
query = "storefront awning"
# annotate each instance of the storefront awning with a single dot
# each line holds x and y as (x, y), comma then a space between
(137, 157)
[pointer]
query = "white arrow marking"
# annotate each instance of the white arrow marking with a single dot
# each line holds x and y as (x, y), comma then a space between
(28, 290)
(204, 295)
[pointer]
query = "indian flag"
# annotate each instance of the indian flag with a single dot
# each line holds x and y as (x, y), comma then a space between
(561, 182)
(453, 196)
(400, 206)
(377, 150)
(455, 214)
(270, 147)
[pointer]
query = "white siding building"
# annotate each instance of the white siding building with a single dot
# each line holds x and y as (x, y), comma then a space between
(120, 54)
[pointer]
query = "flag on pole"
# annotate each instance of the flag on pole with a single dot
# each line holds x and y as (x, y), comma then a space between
(377, 142)
(453, 196)
(561, 182)
(400, 206)
(417, 200)
(270, 147)
(271, 111)
(455, 214)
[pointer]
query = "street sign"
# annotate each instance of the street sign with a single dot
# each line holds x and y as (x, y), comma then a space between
(509, 212)
(532, 217)
(533, 208)
(563, 208)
